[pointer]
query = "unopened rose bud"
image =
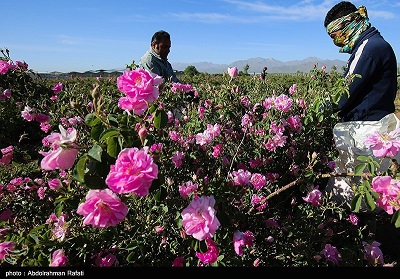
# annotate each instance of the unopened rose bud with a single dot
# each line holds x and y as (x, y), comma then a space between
(143, 132)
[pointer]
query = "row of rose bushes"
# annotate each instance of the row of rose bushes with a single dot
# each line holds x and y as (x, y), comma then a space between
(217, 170)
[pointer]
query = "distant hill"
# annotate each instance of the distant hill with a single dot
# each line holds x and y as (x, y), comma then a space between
(256, 65)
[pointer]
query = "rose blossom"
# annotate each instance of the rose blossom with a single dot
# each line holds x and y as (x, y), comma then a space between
(211, 255)
(385, 144)
(58, 258)
(388, 190)
(241, 177)
(314, 197)
(331, 254)
(242, 239)
(57, 88)
(28, 113)
(4, 66)
(258, 180)
(141, 89)
(54, 184)
(63, 154)
(199, 218)
(133, 172)
(178, 262)
(102, 209)
(59, 226)
(6, 247)
(373, 253)
(233, 72)
(107, 260)
(8, 153)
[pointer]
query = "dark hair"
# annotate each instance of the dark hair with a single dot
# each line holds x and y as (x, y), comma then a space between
(159, 36)
(340, 9)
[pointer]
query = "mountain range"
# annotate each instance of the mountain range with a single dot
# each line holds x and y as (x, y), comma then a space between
(255, 67)
(258, 63)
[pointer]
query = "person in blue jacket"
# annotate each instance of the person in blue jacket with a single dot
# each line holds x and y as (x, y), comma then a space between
(369, 107)
(372, 95)
(155, 60)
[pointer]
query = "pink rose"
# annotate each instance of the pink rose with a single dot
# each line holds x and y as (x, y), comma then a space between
(4, 66)
(58, 159)
(133, 172)
(388, 190)
(139, 82)
(63, 154)
(233, 72)
(57, 88)
(140, 87)
(314, 197)
(58, 258)
(42, 118)
(331, 254)
(54, 183)
(28, 114)
(8, 153)
(258, 180)
(179, 261)
(108, 260)
(6, 247)
(373, 253)
(136, 105)
(211, 255)
(385, 144)
(241, 177)
(102, 208)
(199, 218)
(242, 239)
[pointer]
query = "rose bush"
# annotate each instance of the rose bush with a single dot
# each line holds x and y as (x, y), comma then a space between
(224, 170)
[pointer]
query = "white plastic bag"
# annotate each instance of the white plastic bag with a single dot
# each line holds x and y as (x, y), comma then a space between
(349, 140)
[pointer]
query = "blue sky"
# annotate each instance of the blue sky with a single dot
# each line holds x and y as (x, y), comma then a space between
(82, 35)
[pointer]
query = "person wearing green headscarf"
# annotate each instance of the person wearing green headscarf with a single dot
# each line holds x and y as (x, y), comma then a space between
(373, 91)
(368, 107)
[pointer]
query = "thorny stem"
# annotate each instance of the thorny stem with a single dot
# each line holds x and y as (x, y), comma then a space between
(237, 151)
(298, 180)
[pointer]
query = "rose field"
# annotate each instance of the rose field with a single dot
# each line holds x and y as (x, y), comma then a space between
(221, 170)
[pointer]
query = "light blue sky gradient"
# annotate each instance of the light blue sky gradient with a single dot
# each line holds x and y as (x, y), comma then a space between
(82, 35)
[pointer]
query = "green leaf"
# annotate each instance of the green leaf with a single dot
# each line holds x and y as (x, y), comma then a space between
(152, 108)
(79, 171)
(355, 204)
(112, 120)
(160, 119)
(37, 228)
(59, 208)
(370, 202)
(92, 120)
(359, 169)
(371, 167)
(95, 152)
(131, 257)
(309, 173)
(108, 133)
(362, 158)
(157, 195)
(34, 237)
(396, 219)
(96, 132)
(112, 147)
(375, 195)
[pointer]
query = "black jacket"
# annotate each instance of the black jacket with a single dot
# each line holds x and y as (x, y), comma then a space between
(372, 96)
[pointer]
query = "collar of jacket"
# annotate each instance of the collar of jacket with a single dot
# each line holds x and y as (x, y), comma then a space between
(156, 55)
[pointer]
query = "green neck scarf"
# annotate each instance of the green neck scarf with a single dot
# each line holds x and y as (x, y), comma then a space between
(350, 27)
